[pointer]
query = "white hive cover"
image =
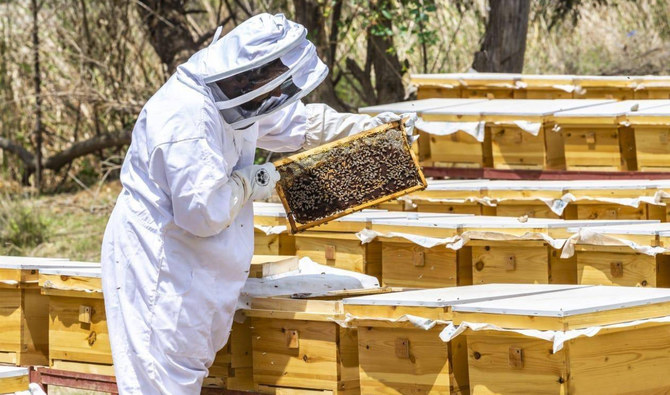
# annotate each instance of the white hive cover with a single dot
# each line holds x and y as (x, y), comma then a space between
(570, 302)
(517, 107)
(417, 106)
(443, 297)
(30, 263)
(613, 109)
(12, 371)
(95, 272)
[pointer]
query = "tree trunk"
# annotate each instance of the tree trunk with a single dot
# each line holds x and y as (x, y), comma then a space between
(309, 13)
(504, 43)
(388, 69)
(37, 132)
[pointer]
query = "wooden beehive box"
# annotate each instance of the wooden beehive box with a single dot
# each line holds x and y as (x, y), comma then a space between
(506, 143)
(606, 199)
(650, 137)
(271, 236)
(516, 252)
(595, 139)
(652, 87)
(488, 85)
(604, 259)
(545, 87)
(23, 311)
(13, 379)
(347, 175)
(632, 359)
(405, 263)
(435, 86)
(298, 346)
(396, 357)
(524, 198)
(450, 197)
(604, 87)
(514, 147)
(78, 335)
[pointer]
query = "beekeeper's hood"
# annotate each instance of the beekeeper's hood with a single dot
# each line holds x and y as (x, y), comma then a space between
(243, 56)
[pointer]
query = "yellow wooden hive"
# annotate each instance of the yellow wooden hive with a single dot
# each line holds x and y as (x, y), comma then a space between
(576, 199)
(299, 347)
(622, 357)
(24, 318)
(399, 347)
(622, 255)
(271, 236)
(480, 250)
(650, 138)
(518, 133)
(13, 379)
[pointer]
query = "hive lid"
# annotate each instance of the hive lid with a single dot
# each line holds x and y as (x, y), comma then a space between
(658, 111)
(417, 106)
(12, 371)
(269, 209)
(30, 263)
(627, 228)
(612, 109)
(447, 77)
(469, 221)
(95, 272)
(445, 297)
(517, 107)
(569, 302)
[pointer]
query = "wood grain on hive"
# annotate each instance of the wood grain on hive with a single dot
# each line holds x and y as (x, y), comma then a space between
(650, 130)
(652, 87)
(24, 336)
(604, 87)
(347, 175)
(78, 335)
(487, 250)
(574, 199)
(537, 86)
(603, 257)
(509, 124)
(623, 360)
(397, 357)
(595, 138)
(298, 346)
(271, 236)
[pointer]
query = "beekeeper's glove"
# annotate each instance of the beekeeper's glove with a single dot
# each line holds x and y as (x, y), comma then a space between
(409, 121)
(256, 181)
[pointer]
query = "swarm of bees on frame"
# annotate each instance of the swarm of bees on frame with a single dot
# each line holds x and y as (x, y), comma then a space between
(348, 175)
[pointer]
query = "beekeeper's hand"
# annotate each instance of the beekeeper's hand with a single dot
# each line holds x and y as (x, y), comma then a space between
(409, 120)
(258, 181)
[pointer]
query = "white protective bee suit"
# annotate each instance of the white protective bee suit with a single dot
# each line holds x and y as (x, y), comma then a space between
(178, 245)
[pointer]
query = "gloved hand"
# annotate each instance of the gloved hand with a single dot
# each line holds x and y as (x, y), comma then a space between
(258, 180)
(409, 118)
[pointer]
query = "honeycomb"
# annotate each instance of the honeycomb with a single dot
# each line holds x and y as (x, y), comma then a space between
(358, 171)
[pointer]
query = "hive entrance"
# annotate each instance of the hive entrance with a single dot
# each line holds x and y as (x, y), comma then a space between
(346, 175)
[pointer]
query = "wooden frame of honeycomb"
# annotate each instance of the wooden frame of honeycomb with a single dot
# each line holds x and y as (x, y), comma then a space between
(348, 175)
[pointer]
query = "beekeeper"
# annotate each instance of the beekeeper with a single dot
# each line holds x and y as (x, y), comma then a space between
(179, 242)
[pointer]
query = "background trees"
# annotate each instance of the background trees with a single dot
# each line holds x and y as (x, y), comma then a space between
(74, 74)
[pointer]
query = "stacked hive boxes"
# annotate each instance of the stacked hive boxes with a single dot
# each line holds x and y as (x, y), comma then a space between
(560, 134)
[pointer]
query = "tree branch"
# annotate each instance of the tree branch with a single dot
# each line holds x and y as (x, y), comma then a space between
(26, 156)
(81, 148)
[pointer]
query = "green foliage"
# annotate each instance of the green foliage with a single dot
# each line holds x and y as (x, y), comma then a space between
(21, 227)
